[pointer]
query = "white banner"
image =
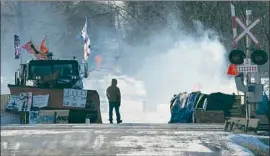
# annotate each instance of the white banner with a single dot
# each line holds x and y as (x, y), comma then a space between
(40, 101)
(74, 98)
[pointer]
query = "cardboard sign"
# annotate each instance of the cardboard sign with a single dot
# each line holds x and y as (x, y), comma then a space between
(49, 117)
(74, 98)
(46, 117)
(62, 116)
(14, 103)
(40, 101)
(26, 99)
(20, 102)
(33, 117)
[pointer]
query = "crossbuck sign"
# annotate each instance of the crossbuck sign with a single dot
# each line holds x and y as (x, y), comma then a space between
(246, 30)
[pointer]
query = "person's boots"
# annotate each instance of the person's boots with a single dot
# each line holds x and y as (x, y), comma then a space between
(111, 122)
(119, 121)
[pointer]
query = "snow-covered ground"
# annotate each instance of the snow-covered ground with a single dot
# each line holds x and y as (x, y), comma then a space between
(250, 144)
(125, 139)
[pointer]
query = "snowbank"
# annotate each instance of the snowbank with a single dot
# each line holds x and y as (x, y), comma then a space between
(247, 145)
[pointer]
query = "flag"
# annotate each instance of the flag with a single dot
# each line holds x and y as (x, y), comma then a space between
(28, 47)
(43, 48)
(31, 48)
(232, 70)
(83, 33)
(17, 47)
(41, 56)
(87, 44)
(87, 47)
(98, 59)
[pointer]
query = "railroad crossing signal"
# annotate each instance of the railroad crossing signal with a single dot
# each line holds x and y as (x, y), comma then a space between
(247, 67)
(259, 57)
(237, 56)
(246, 30)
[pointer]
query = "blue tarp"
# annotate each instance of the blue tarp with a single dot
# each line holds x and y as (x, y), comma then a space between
(263, 106)
(183, 115)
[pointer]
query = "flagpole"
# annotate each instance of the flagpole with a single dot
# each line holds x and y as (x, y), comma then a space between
(21, 57)
(19, 13)
(47, 42)
(86, 24)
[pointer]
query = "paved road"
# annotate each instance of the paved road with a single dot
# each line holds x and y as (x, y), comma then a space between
(124, 139)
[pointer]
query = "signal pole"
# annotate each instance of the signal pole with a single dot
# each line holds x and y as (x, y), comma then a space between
(248, 75)
(251, 106)
(248, 61)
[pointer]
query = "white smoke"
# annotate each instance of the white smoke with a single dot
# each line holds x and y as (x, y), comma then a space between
(188, 62)
(170, 64)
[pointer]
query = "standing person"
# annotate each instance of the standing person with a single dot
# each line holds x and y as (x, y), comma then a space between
(114, 97)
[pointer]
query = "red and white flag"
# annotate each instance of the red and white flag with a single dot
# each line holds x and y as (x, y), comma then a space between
(31, 48)
(28, 47)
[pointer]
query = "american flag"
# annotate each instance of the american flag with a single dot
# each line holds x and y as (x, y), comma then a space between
(17, 47)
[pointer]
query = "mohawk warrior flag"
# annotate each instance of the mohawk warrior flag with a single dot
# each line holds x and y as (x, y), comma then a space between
(87, 43)
(17, 47)
(43, 48)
